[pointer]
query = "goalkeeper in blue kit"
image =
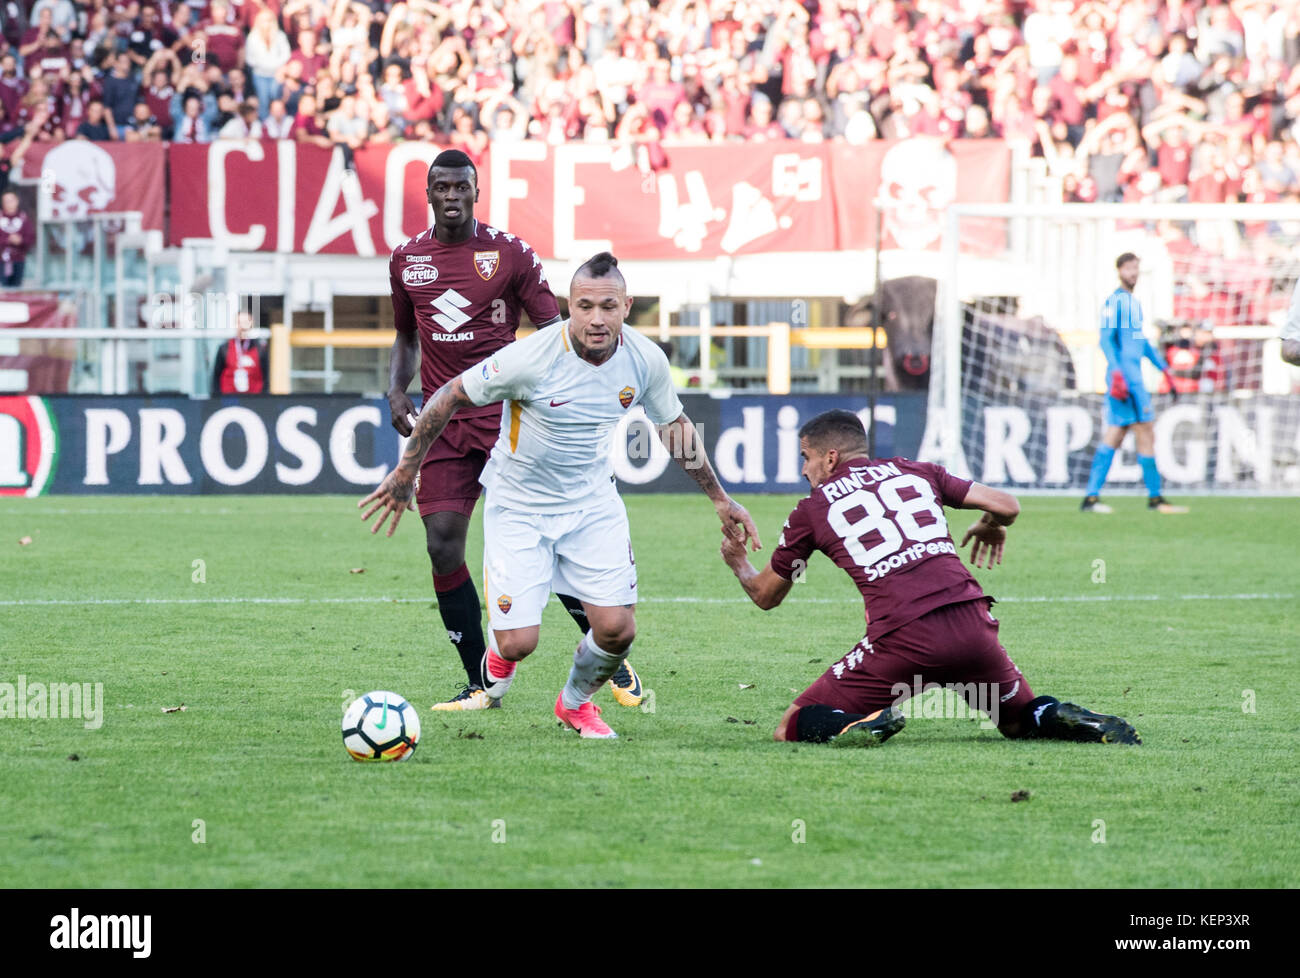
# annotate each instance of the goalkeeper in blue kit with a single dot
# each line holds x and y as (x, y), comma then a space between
(1128, 405)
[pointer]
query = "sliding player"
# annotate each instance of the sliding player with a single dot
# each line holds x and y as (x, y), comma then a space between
(882, 521)
(458, 288)
(1128, 405)
(553, 512)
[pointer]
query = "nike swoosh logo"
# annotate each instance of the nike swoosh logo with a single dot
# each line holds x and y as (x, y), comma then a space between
(555, 403)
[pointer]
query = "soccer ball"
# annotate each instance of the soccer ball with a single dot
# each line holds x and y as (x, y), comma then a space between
(381, 726)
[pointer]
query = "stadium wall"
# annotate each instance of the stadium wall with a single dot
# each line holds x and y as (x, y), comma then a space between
(341, 444)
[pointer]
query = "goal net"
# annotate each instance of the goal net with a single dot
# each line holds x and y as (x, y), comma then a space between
(1018, 377)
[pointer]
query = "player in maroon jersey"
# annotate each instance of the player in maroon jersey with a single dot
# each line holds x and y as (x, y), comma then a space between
(458, 288)
(928, 621)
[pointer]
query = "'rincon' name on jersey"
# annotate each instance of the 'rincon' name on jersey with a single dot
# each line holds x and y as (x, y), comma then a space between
(882, 520)
(464, 299)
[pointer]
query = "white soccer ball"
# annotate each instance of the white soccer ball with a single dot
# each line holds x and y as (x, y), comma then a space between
(380, 726)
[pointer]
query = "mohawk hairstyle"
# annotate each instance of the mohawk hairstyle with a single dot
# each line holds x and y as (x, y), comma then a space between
(834, 429)
(602, 265)
(452, 159)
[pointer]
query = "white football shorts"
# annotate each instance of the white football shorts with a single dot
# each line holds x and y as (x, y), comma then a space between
(586, 553)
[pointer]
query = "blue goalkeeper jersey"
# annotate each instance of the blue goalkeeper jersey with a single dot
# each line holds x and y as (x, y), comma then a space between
(1122, 339)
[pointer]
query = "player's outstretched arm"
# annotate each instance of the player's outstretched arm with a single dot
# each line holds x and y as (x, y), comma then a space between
(395, 493)
(765, 588)
(990, 531)
(686, 447)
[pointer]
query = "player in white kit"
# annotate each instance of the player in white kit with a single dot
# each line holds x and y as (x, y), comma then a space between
(553, 517)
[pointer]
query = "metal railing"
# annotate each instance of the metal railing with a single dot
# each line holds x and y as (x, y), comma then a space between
(777, 372)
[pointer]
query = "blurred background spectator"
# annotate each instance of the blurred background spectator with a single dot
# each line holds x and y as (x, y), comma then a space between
(17, 235)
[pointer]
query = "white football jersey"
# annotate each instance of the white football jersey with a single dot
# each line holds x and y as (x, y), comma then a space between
(559, 415)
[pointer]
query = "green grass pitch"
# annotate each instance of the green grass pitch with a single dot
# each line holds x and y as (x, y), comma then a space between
(1187, 626)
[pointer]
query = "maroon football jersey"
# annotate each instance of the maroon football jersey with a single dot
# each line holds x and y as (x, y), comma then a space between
(464, 299)
(882, 521)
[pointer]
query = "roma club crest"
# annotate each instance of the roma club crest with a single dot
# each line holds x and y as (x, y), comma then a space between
(625, 396)
(504, 604)
(486, 262)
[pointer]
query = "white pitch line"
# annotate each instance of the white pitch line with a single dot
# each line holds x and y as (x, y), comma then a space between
(681, 599)
(151, 513)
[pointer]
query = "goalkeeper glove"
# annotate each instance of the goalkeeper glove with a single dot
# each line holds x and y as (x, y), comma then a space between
(1118, 385)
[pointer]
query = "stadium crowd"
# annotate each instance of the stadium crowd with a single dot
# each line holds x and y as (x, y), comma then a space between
(1125, 99)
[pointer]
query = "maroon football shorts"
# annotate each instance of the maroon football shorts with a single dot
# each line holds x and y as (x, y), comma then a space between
(449, 475)
(957, 643)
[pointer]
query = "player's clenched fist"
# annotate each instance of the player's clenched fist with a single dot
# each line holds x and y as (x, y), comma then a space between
(402, 410)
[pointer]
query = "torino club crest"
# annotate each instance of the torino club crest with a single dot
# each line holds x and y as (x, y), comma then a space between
(486, 262)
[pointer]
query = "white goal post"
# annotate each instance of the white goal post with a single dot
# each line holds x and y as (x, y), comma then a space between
(1016, 393)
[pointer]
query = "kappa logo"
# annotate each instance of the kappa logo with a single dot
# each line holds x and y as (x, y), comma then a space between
(485, 263)
(504, 603)
(625, 396)
(419, 274)
(29, 446)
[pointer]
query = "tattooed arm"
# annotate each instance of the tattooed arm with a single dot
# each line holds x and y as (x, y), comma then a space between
(685, 446)
(394, 494)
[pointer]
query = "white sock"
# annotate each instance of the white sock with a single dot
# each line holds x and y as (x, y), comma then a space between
(592, 667)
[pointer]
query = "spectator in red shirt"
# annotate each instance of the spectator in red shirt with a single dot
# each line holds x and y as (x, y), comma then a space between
(467, 137)
(308, 57)
(686, 126)
(424, 97)
(34, 38)
(306, 123)
(224, 41)
(19, 234)
(761, 124)
(77, 92)
(1067, 98)
(660, 94)
(1208, 180)
(1173, 151)
(158, 96)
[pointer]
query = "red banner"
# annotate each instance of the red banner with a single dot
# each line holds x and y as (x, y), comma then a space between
(36, 366)
(569, 200)
(911, 182)
(78, 178)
